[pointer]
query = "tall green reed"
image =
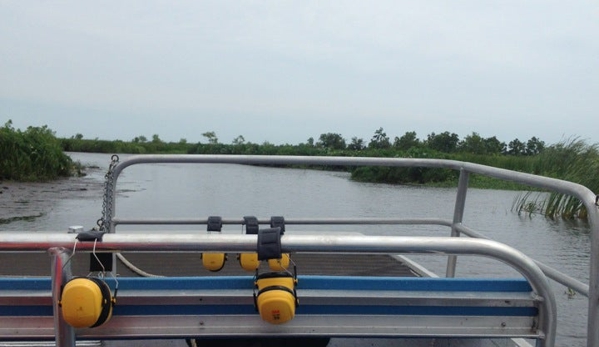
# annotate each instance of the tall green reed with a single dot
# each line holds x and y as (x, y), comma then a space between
(572, 160)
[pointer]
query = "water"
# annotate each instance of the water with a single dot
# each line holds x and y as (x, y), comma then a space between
(235, 191)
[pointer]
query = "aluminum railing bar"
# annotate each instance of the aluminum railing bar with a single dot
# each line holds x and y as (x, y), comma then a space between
(586, 196)
(307, 243)
(533, 180)
(564, 279)
(470, 232)
(552, 273)
(289, 221)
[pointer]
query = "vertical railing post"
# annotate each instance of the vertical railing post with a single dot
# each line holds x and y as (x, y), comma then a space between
(458, 215)
(61, 272)
(593, 314)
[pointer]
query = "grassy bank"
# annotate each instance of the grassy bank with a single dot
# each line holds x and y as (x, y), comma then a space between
(36, 154)
(571, 160)
(32, 155)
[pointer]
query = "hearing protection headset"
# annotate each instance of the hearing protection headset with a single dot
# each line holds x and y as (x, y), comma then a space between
(86, 302)
(249, 261)
(214, 261)
(276, 299)
(280, 264)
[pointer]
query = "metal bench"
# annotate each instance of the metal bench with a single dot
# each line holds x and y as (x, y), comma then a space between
(188, 307)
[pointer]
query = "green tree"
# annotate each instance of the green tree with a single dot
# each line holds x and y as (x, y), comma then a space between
(379, 140)
(139, 139)
(494, 146)
(407, 141)
(239, 140)
(331, 141)
(473, 143)
(443, 142)
(516, 147)
(211, 136)
(534, 146)
(356, 144)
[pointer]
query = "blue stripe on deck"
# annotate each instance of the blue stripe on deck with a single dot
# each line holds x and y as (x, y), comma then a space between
(305, 282)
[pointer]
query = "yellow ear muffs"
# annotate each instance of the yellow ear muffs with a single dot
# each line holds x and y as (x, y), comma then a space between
(280, 264)
(214, 261)
(276, 299)
(249, 261)
(86, 302)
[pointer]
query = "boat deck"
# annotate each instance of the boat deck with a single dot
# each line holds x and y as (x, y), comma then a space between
(190, 264)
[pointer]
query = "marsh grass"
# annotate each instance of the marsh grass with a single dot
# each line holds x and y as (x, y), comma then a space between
(573, 160)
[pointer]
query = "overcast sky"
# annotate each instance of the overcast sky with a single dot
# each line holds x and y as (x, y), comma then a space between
(285, 71)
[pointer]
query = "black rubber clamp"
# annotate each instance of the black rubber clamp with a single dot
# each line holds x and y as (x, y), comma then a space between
(278, 222)
(215, 223)
(251, 225)
(90, 235)
(269, 244)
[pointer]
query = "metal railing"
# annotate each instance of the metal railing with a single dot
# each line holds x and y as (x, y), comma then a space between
(586, 196)
(60, 245)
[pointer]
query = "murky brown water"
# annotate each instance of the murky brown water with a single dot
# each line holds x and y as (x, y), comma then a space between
(28, 201)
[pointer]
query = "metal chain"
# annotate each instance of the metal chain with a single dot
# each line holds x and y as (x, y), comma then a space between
(106, 220)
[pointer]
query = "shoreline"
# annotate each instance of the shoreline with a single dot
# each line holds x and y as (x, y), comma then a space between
(30, 200)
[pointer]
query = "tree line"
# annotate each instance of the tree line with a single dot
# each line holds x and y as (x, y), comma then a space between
(444, 142)
(23, 152)
(379, 144)
(37, 154)
(515, 155)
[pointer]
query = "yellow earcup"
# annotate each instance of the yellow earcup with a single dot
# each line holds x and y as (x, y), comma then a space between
(249, 261)
(86, 302)
(281, 264)
(214, 261)
(276, 300)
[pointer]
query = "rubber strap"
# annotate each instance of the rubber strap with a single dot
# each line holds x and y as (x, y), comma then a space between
(90, 235)
(215, 223)
(251, 225)
(269, 244)
(278, 222)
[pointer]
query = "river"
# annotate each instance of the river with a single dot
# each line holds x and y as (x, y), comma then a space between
(235, 191)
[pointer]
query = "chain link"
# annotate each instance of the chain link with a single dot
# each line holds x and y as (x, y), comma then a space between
(106, 220)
